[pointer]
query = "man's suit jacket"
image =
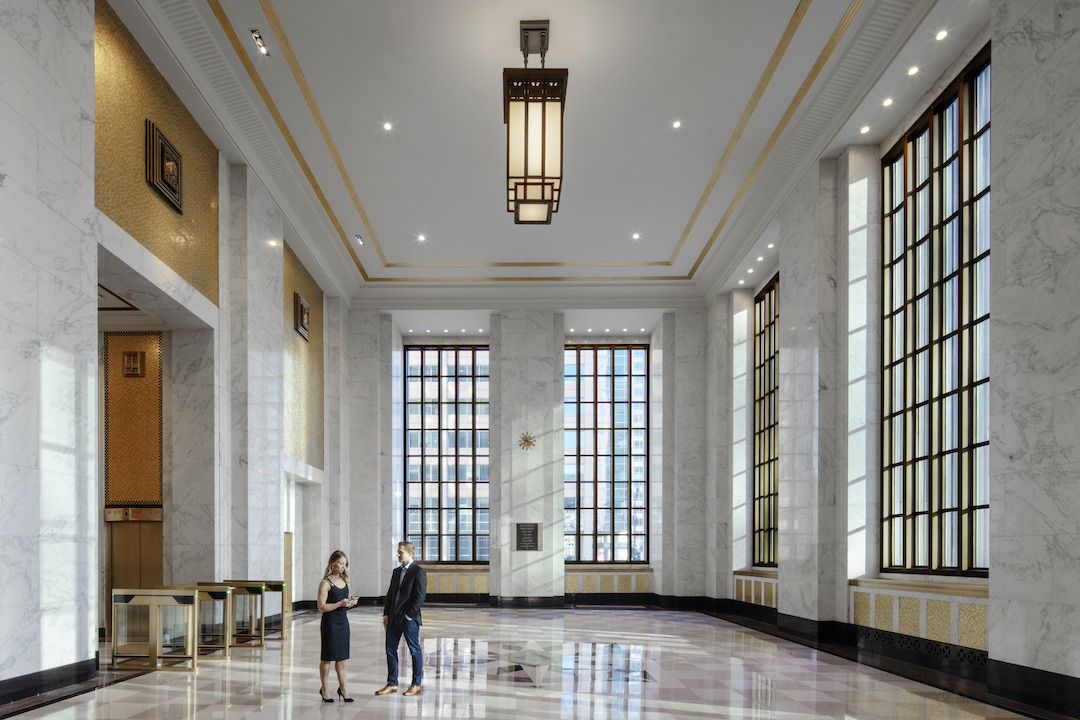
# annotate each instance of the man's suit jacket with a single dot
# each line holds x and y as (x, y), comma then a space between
(407, 597)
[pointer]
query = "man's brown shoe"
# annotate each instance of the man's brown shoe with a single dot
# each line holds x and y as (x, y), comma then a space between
(413, 690)
(387, 690)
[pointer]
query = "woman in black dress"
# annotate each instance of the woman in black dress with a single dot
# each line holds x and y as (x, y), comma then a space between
(333, 601)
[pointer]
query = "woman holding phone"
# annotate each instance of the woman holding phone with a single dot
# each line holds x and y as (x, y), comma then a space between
(333, 601)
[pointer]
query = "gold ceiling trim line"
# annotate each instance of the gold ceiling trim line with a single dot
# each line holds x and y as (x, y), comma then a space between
(238, 48)
(826, 53)
(751, 107)
(316, 113)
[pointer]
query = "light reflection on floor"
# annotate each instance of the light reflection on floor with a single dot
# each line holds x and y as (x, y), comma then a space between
(488, 663)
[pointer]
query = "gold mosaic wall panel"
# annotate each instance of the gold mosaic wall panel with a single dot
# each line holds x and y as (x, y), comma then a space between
(757, 592)
(939, 620)
(128, 90)
(303, 367)
(571, 583)
(972, 626)
(625, 583)
(909, 616)
(862, 609)
(446, 583)
(739, 590)
(642, 583)
(588, 584)
(607, 583)
(769, 595)
(133, 421)
(480, 583)
(883, 612)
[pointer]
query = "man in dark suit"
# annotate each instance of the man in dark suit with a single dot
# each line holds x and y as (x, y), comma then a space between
(401, 616)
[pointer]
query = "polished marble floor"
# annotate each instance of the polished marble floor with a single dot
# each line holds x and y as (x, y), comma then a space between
(524, 664)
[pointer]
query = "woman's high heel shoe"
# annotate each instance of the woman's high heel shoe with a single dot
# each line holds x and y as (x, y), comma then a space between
(345, 699)
(324, 698)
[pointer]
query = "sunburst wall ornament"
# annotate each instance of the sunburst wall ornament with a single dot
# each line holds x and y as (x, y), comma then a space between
(526, 441)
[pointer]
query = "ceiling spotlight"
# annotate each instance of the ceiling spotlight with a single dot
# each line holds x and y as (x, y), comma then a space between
(480, 330)
(589, 330)
(677, 124)
(886, 102)
(421, 238)
(427, 331)
(942, 35)
(864, 129)
(749, 270)
(624, 329)
(272, 243)
(742, 282)
(760, 258)
(255, 36)
(359, 239)
(410, 331)
(913, 69)
(642, 329)
(387, 126)
(770, 246)
(533, 102)
(462, 329)
(607, 329)
(445, 330)
(636, 236)
(571, 329)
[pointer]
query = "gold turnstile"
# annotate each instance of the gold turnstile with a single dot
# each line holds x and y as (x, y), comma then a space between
(215, 617)
(154, 629)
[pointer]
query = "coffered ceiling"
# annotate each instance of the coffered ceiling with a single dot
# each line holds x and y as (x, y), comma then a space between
(761, 89)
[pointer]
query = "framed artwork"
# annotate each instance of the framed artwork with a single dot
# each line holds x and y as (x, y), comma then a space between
(301, 315)
(164, 170)
(134, 363)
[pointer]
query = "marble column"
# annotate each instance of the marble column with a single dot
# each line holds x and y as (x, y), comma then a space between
(526, 485)
(858, 345)
(256, 287)
(48, 342)
(374, 482)
(1034, 610)
(719, 399)
(807, 547)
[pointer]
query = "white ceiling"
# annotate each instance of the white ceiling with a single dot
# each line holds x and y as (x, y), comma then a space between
(309, 120)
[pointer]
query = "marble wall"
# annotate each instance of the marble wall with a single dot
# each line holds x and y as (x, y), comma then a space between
(48, 338)
(719, 455)
(257, 360)
(808, 553)
(1034, 612)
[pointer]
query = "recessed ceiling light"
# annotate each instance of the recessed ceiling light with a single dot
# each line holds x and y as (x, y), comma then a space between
(480, 330)
(749, 270)
(462, 329)
(387, 126)
(760, 258)
(445, 330)
(607, 329)
(589, 330)
(571, 329)
(770, 246)
(359, 239)
(642, 329)
(886, 102)
(427, 331)
(913, 69)
(864, 129)
(421, 238)
(410, 331)
(257, 38)
(942, 35)
(742, 282)
(636, 236)
(624, 329)
(272, 243)
(677, 124)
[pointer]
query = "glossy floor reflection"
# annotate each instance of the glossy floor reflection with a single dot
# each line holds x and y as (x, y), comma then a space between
(525, 664)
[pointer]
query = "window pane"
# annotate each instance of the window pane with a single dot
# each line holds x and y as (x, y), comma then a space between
(446, 441)
(605, 394)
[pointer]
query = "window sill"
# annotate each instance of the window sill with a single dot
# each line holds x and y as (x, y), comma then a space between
(758, 573)
(607, 567)
(981, 590)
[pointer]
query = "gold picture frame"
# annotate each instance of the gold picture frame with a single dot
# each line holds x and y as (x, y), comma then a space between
(164, 169)
(301, 315)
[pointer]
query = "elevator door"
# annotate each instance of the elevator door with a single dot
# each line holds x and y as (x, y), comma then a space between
(134, 558)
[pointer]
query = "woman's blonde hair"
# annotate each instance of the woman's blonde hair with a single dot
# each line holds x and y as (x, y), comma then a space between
(334, 557)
